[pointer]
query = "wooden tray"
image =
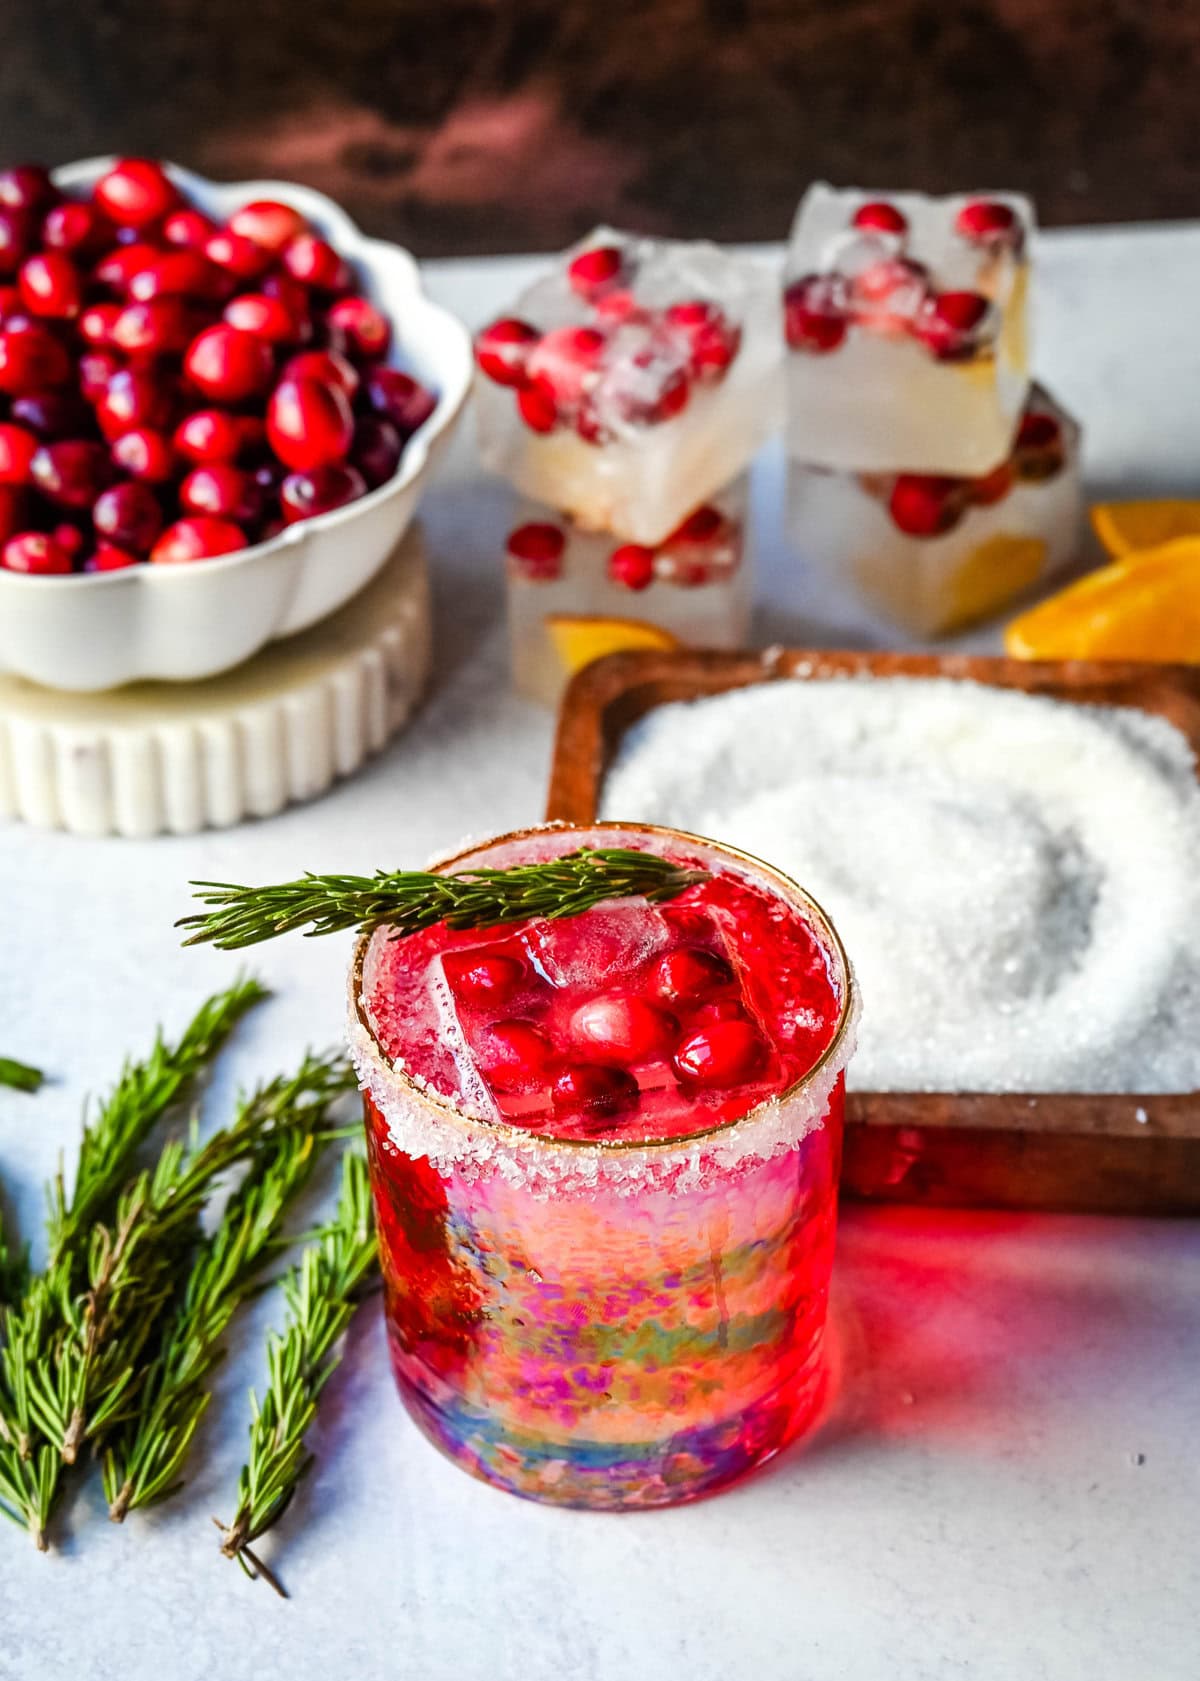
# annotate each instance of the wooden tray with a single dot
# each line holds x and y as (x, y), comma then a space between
(1065, 1151)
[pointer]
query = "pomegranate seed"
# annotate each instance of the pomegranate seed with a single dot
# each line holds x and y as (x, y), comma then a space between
(987, 221)
(592, 271)
(951, 324)
(13, 516)
(814, 314)
(227, 365)
(992, 487)
(37, 554)
(268, 223)
(133, 397)
(619, 305)
(712, 339)
(95, 369)
(590, 427)
(724, 1053)
(537, 409)
(180, 274)
(502, 350)
(109, 558)
(1038, 431)
(565, 363)
(15, 238)
(878, 216)
(209, 435)
(485, 980)
(117, 267)
(319, 491)
(27, 186)
(925, 506)
(366, 331)
(632, 566)
(309, 424)
(135, 193)
(376, 449)
(672, 398)
(31, 358)
(594, 1089)
(314, 262)
(327, 366)
(1039, 452)
(97, 322)
(687, 975)
(188, 230)
(537, 550)
(129, 516)
(399, 398)
(519, 1053)
(78, 230)
(222, 490)
(254, 312)
(197, 538)
(17, 450)
(237, 254)
(623, 1029)
(880, 281)
(145, 454)
(161, 327)
(54, 414)
(71, 472)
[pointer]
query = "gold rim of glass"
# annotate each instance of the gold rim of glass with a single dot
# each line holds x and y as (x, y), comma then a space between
(447, 1108)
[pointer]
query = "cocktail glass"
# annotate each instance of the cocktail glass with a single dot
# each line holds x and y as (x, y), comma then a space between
(617, 1302)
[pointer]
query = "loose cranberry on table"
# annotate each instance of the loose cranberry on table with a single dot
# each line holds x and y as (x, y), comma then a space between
(536, 550)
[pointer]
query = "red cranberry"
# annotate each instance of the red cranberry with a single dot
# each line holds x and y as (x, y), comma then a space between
(687, 975)
(537, 409)
(488, 980)
(703, 525)
(992, 487)
(878, 216)
(624, 1029)
(502, 350)
(325, 365)
(713, 340)
(314, 262)
(17, 450)
(400, 398)
(236, 254)
(31, 358)
(135, 193)
(376, 449)
(365, 330)
(268, 223)
(295, 298)
(161, 327)
(592, 271)
(145, 453)
(519, 1053)
(227, 365)
(814, 314)
(951, 324)
(37, 554)
(71, 472)
(188, 229)
(319, 491)
(222, 490)
(77, 230)
(720, 1009)
(537, 551)
(128, 515)
(209, 435)
(590, 426)
(15, 237)
(117, 267)
(565, 363)
(309, 424)
(13, 515)
(97, 322)
(254, 312)
(10, 303)
(180, 274)
(27, 186)
(724, 1053)
(197, 538)
(109, 558)
(70, 537)
(632, 565)
(594, 1088)
(1038, 430)
(1040, 450)
(987, 221)
(133, 397)
(54, 414)
(925, 506)
(96, 368)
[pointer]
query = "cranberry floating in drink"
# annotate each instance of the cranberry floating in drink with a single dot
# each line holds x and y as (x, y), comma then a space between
(604, 1152)
(905, 321)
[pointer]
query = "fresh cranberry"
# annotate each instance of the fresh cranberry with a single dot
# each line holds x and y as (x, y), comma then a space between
(180, 274)
(129, 515)
(724, 1053)
(992, 487)
(145, 453)
(296, 299)
(881, 281)
(1038, 430)
(703, 525)
(109, 558)
(328, 366)
(1040, 450)
(488, 980)
(77, 230)
(537, 551)
(590, 425)
(314, 262)
(254, 312)
(951, 324)
(37, 554)
(95, 369)
(987, 221)
(27, 186)
(222, 490)
(502, 350)
(54, 414)
(309, 424)
(878, 216)
(537, 409)
(188, 229)
(399, 398)
(31, 358)
(376, 449)
(97, 322)
(135, 193)
(18, 446)
(197, 538)
(209, 435)
(632, 566)
(117, 267)
(236, 254)
(593, 270)
(687, 975)
(814, 314)
(15, 239)
(713, 340)
(565, 363)
(71, 472)
(364, 330)
(519, 1054)
(268, 223)
(623, 1028)
(925, 506)
(133, 397)
(161, 327)
(13, 512)
(664, 402)
(70, 537)
(319, 491)
(594, 1088)
(227, 365)
(10, 303)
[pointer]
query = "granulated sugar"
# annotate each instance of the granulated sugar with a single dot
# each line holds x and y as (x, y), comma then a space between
(1016, 879)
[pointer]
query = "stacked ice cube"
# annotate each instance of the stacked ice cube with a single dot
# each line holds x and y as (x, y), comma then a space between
(924, 468)
(624, 397)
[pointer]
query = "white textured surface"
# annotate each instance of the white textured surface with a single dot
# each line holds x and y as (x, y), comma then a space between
(976, 1506)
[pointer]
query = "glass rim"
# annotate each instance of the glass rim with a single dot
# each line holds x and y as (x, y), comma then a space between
(447, 1109)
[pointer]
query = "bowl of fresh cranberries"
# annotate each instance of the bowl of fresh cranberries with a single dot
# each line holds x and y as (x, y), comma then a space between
(218, 406)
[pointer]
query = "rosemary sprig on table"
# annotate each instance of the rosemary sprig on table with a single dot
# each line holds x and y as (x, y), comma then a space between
(21, 1076)
(322, 1292)
(409, 900)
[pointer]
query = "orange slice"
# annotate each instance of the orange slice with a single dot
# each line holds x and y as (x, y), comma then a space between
(1143, 608)
(992, 573)
(578, 639)
(1125, 528)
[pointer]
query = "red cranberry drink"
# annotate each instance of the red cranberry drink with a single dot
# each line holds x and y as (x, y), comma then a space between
(604, 1152)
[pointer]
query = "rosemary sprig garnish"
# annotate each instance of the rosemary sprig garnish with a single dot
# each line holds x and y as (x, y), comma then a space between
(142, 1463)
(409, 900)
(20, 1075)
(322, 1291)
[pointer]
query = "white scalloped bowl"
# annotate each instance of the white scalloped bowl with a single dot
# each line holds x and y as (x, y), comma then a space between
(186, 622)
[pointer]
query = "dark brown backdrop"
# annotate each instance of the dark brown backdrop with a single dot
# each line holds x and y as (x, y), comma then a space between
(474, 125)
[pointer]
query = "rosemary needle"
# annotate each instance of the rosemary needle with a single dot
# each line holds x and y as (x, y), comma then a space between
(21, 1076)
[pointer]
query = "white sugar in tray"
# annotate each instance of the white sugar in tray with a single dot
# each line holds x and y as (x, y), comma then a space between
(1016, 879)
